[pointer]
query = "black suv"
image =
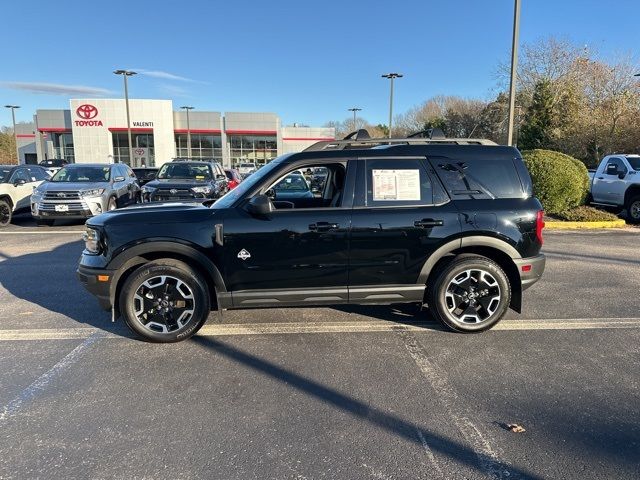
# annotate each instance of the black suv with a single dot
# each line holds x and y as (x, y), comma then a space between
(186, 180)
(449, 223)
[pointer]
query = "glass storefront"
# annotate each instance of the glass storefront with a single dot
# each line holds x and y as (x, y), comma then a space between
(63, 146)
(259, 149)
(202, 146)
(140, 140)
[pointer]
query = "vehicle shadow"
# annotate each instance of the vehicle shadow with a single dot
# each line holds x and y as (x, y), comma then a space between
(409, 314)
(393, 423)
(48, 279)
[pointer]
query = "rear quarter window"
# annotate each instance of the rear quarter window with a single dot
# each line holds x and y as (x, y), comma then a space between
(482, 178)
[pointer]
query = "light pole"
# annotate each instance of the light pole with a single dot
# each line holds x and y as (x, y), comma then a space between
(391, 76)
(15, 135)
(354, 110)
(514, 68)
(125, 74)
(187, 108)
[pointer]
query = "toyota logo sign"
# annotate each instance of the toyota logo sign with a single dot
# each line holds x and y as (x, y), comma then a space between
(87, 111)
(173, 191)
(139, 151)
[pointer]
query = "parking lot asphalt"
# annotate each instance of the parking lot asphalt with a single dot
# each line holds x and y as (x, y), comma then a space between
(349, 392)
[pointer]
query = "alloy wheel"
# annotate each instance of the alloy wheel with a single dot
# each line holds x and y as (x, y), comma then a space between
(163, 304)
(634, 210)
(5, 214)
(472, 296)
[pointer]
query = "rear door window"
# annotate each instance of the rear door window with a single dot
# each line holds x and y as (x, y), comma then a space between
(397, 182)
(483, 178)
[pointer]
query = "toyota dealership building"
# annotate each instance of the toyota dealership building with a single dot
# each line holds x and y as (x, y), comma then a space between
(95, 130)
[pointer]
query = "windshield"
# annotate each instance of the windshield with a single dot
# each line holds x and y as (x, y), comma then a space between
(634, 162)
(4, 174)
(89, 174)
(292, 183)
(227, 200)
(184, 170)
(247, 165)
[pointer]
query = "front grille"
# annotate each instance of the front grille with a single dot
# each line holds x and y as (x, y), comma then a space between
(178, 194)
(73, 207)
(54, 195)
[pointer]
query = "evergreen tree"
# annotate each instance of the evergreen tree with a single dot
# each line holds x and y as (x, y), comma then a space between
(537, 129)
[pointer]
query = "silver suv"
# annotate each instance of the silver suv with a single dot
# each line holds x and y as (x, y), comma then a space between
(84, 190)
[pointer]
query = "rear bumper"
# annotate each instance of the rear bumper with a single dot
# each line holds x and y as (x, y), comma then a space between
(101, 289)
(530, 269)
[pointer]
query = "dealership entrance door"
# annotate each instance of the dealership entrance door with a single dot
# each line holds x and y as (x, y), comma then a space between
(143, 151)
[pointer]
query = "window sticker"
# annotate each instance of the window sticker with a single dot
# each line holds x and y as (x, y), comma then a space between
(396, 184)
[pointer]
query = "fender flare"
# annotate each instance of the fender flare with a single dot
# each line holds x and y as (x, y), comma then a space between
(470, 241)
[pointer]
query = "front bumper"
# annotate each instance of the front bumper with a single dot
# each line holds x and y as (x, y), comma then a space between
(99, 287)
(530, 269)
(84, 207)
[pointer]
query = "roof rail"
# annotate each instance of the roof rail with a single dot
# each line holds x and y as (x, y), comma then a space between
(433, 138)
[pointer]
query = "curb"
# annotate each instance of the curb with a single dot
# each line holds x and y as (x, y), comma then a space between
(559, 225)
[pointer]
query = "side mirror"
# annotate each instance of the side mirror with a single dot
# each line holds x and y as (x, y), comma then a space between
(621, 175)
(271, 193)
(118, 179)
(19, 182)
(221, 177)
(260, 205)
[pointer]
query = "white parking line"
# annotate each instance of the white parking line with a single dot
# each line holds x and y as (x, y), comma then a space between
(285, 328)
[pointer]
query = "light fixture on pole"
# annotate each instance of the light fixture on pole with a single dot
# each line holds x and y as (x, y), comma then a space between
(354, 110)
(391, 76)
(15, 135)
(125, 74)
(514, 68)
(187, 108)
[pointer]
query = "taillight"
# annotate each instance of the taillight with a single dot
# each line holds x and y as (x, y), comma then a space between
(539, 225)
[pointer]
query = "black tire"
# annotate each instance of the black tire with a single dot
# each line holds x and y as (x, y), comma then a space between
(45, 223)
(6, 213)
(478, 277)
(633, 209)
(164, 326)
(112, 205)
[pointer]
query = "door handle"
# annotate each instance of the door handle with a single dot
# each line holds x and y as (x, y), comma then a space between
(600, 178)
(323, 226)
(428, 222)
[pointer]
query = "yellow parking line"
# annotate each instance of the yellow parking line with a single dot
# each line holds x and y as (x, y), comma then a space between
(284, 328)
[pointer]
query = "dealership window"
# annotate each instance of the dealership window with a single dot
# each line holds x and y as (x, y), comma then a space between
(63, 146)
(259, 149)
(140, 141)
(202, 146)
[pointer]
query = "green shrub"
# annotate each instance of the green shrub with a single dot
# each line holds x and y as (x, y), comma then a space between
(586, 214)
(560, 182)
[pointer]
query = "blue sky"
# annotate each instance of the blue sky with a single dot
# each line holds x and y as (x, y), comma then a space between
(306, 61)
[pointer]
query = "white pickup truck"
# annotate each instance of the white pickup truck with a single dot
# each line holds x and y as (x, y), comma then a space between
(616, 183)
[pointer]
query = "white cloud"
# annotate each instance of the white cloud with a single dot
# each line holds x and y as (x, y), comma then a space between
(163, 75)
(56, 88)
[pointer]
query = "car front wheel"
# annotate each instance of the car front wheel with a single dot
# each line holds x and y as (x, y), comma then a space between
(165, 301)
(470, 294)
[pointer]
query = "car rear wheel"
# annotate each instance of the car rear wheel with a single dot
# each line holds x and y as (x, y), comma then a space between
(470, 294)
(165, 301)
(5, 213)
(633, 210)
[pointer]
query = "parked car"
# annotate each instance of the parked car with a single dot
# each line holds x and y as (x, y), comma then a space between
(82, 190)
(616, 184)
(16, 185)
(246, 169)
(145, 174)
(451, 224)
(291, 187)
(52, 165)
(318, 180)
(233, 176)
(186, 180)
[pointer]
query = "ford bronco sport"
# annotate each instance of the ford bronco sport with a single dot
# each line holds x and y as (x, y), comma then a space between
(447, 223)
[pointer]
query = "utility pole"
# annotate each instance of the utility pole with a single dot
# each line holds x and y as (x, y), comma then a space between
(391, 76)
(125, 74)
(15, 134)
(354, 110)
(187, 108)
(514, 68)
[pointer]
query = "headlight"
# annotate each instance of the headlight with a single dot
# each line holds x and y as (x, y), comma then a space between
(91, 239)
(37, 192)
(206, 190)
(96, 192)
(146, 189)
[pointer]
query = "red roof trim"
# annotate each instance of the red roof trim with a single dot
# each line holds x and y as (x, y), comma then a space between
(54, 130)
(26, 135)
(251, 132)
(184, 130)
(124, 129)
(310, 139)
